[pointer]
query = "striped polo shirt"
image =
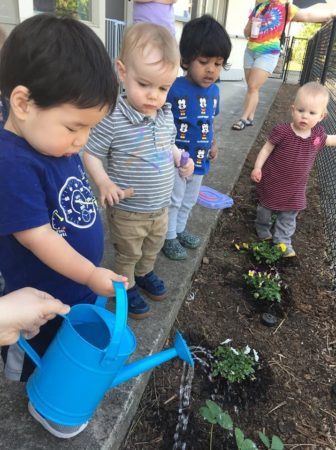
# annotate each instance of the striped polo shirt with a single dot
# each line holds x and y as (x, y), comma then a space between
(286, 171)
(138, 152)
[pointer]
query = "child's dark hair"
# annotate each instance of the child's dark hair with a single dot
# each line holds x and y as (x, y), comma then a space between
(204, 36)
(60, 60)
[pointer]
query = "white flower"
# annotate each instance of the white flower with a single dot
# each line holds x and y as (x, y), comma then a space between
(256, 356)
(234, 351)
(226, 342)
(247, 350)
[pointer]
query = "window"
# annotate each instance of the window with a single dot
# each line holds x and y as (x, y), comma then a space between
(82, 9)
(182, 10)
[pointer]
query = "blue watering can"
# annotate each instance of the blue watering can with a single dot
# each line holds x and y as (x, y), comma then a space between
(86, 358)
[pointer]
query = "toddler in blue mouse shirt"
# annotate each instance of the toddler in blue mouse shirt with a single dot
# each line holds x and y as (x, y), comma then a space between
(205, 48)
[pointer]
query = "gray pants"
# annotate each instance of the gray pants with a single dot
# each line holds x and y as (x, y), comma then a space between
(284, 226)
(184, 197)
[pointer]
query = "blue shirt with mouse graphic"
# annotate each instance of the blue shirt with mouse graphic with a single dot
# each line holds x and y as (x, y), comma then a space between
(194, 108)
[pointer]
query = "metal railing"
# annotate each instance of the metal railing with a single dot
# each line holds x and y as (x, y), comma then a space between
(114, 33)
(320, 65)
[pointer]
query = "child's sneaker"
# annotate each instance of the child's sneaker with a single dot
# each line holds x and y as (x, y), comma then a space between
(289, 253)
(188, 240)
(152, 285)
(56, 429)
(137, 307)
(174, 250)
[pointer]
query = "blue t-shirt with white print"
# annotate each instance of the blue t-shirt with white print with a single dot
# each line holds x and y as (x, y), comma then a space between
(35, 190)
(194, 108)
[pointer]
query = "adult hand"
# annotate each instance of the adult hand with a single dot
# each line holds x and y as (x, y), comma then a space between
(256, 175)
(26, 310)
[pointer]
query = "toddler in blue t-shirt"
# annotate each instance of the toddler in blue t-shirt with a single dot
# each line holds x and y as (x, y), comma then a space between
(59, 81)
(205, 48)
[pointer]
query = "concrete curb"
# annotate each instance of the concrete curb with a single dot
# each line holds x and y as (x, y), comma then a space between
(110, 424)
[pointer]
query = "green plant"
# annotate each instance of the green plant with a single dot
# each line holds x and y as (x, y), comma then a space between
(214, 414)
(264, 285)
(266, 252)
(233, 364)
(275, 444)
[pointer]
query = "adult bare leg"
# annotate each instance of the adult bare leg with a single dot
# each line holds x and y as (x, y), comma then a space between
(255, 79)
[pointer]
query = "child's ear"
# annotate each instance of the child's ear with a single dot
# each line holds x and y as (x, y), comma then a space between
(121, 69)
(20, 102)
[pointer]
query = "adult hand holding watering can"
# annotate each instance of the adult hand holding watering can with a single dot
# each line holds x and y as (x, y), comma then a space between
(25, 311)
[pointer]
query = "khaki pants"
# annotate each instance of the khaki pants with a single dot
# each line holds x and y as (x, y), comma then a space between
(137, 239)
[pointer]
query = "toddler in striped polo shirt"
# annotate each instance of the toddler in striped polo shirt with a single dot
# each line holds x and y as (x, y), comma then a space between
(284, 163)
(137, 141)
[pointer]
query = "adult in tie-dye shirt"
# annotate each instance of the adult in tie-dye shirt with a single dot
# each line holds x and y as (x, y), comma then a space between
(262, 52)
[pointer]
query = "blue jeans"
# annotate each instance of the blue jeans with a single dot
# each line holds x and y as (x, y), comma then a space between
(184, 197)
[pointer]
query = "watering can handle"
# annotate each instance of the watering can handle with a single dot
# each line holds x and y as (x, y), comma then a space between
(29, 350)
(120, 321)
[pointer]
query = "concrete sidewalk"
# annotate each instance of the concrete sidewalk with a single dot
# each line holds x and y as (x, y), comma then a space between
(109, 425)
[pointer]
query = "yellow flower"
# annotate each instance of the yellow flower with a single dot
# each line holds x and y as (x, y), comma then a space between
(282, 247)
(237, 246)
(251, 273)
(245, 245)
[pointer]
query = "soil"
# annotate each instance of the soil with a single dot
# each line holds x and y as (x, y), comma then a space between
(291, 395)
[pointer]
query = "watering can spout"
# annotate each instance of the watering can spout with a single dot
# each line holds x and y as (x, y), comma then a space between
(134, 369)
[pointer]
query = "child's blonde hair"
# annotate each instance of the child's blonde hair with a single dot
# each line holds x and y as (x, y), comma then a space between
(314, 88)
(142, 36)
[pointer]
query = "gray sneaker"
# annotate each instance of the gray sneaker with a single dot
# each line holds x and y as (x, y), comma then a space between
(56, 429)
(174, 250)
(188, 240)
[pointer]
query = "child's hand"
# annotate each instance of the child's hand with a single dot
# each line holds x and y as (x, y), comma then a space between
(111, 194)
(100, 281)
(26, 310)
(187, 169)
(256, 175)
(213, 153)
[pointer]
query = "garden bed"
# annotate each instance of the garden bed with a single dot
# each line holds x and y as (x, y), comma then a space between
(291, 396)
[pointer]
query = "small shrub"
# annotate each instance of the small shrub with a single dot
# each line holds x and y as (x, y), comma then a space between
(266, 252)
(264, 285)
(232, 364)
(214, 414)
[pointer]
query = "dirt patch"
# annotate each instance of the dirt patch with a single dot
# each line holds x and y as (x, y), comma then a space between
(292, 393)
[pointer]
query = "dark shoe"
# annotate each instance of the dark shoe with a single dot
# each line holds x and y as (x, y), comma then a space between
(152, 285)
(137, 307)
(188, 240)
(241, 124)
(174, 250)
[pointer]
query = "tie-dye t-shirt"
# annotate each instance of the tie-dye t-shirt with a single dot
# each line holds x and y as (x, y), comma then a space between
(273, 18)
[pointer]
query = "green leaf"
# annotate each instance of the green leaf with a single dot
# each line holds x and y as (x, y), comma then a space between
(225, 421)
(264, 439)
(214, 408)
(277, 443)
(207, 415)
(239, 437)
(248, 445)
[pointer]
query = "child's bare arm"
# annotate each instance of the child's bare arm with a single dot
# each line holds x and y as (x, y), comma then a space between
(213, 153)
(56, 253)
(264, 153)
(331, 140)
(109, 192)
